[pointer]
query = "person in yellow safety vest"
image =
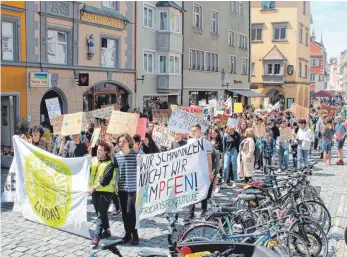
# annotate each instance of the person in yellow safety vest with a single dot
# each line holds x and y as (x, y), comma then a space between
(101, 188)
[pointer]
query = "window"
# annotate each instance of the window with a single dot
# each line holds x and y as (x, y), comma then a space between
(300, 69)
(212, 62)
(241, 8)
(108, 52)
(148, 17)
(268, 5)
(244, 66)
(304, 7)
(175, 22)
(279, 32)
(277, 69)
(214, 22)
(231, 38)
(314, 62)
(237, 8)
(257, 35)
(306, 38)
(8, 41)
(57, 47)
(232, 64)
(301, 34)
(253, 69)
(198, 16)
(313, 77)
(110, 4)
(148, 62)
(306, 70)
(269, 69)
(175, 64)
(243, 42)
(162, 64)
(274, 69)
(163, 23)
(196, 60)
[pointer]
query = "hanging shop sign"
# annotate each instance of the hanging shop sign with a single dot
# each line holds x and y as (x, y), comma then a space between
(40, 79)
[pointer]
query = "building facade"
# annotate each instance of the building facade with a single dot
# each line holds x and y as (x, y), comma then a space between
(341, 72)
(159, 50)
(280, 36)
(13, 68)
(332, 74)
(318, 62)
(216, 52)
(81, 53)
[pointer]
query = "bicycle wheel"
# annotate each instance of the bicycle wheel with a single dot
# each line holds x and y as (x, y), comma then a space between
(310, 193)
(317, 211)
(202, 232)
(312, 234)
(296, 246)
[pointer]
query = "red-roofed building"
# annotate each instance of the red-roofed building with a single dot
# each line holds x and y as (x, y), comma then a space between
(317, 65)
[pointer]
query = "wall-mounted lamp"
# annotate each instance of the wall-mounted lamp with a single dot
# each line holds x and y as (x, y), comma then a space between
(226, 85)
(142, 78)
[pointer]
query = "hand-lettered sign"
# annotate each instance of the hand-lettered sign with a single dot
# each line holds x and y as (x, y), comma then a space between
(141, 128)
(53, 108)
(163, 136)
(182, 121)
(162, 116)
(95, 137)
(122, 122)
(72, 124)
(198, 111)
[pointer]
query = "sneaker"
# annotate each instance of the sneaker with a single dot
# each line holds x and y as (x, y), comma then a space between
(96, 240)
(116, 212)
(111, 208)
(339, 162)
(126, 238)
(279, 171)
(106, 233)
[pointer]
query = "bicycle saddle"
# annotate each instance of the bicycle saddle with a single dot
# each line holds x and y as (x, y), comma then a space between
(252, 192)
(151, 254)
(251, 197)
(109, 243)
(229, 209)
(219, 214)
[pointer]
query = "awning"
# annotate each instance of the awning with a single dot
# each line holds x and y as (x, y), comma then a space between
(104, 12)
(246, 92)
(323, 93)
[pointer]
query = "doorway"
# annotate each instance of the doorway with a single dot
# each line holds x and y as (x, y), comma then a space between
(52, 93)
(8, 119)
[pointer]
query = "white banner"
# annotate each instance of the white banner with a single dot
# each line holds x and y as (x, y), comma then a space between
(182, 121)
(51, 190)
(171, 180)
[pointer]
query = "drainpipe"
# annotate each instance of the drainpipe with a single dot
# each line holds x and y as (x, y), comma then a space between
(182, 53)
(249, 47)
(135, 38)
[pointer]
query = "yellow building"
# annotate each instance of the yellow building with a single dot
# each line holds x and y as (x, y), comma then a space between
(280, 52)
(13, 68)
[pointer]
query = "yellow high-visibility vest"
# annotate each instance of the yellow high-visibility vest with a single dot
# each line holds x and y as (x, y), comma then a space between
(97, 171)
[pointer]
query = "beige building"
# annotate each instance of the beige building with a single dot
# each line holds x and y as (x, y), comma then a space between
(216, 52)
(81, 53)
(280, 36)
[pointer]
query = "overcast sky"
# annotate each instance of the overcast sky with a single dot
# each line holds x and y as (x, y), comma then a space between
(330, 18)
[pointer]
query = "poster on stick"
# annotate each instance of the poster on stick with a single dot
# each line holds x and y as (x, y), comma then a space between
(95, 137)
(53, 108)
(182, 121)
(72, 124)
(301, 113)
(238, 108)
(163, 136)
(122, 122)
(57, 123)
(171, 180)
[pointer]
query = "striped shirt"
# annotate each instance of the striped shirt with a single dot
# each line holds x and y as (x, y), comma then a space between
(126, 168)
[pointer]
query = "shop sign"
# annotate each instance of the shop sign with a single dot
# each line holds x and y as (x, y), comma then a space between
(237, 81)
(104, 20)
(40, 79)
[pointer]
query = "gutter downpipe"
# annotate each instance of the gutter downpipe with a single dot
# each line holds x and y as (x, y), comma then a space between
(249, 46)
(135, 50)
(182, 53)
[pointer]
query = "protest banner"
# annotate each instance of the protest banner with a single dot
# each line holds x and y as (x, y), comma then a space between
(182, 121)
(122, 122)
(141, 128)
(163, 136)
(72, 124)
(169, 181)
(198, 111)
(57, 123)
(238, 108)
(233, 122)
(259, 130)
(9, 193)
(53, 108)
(162, 116)
(286, 134)
(51, 190)
(95, 137)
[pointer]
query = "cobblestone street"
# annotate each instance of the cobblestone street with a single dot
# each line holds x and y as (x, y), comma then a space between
(20, 237)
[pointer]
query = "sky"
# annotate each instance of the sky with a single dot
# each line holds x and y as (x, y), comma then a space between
(330, 18)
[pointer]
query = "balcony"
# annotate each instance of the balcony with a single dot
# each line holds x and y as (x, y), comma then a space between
(273, 79)
(165, 83)
(169, 41)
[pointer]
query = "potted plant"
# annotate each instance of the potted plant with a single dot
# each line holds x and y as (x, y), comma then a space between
(22, 127)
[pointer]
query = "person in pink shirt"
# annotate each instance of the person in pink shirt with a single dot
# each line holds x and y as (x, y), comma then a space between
(341, 134)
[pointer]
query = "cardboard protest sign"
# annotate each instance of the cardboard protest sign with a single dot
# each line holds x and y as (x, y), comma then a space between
(163, 136)
(286, 134)
(122, 122)
(53, 108)
(72, 124)
(169, 181)
(182, 121)
(57, 123)
(162, 116)
(299, 111)
(103, 112)
(141, 128)
(95, 137)
(115, 106)
(259, 130)
(238, 108)
(198, 111)
(233, 122)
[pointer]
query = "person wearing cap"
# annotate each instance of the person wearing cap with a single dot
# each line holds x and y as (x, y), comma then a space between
(36, 133)
(341, 134)
(305, 137)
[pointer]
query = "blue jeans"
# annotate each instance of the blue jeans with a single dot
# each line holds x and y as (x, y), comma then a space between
(302, 154)
(230, 157)
(283, 154)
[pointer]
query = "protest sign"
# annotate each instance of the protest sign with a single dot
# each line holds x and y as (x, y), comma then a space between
(198, 111)
(51, 190)
(286, 134)
(53, 108)
(103, 112)
(233, 122)
(238, 108)
(299, 111)
(95, 137)
(115, 106)
(219, 113)
(57, 123)
(72, 124)
(161, 116)
(141, 128)
(182, 121)
(122, 122)
(163, 136)
(169, 181)
(259, 130)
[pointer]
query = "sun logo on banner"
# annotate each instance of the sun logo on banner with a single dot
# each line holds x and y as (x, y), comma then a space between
(48, 184)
